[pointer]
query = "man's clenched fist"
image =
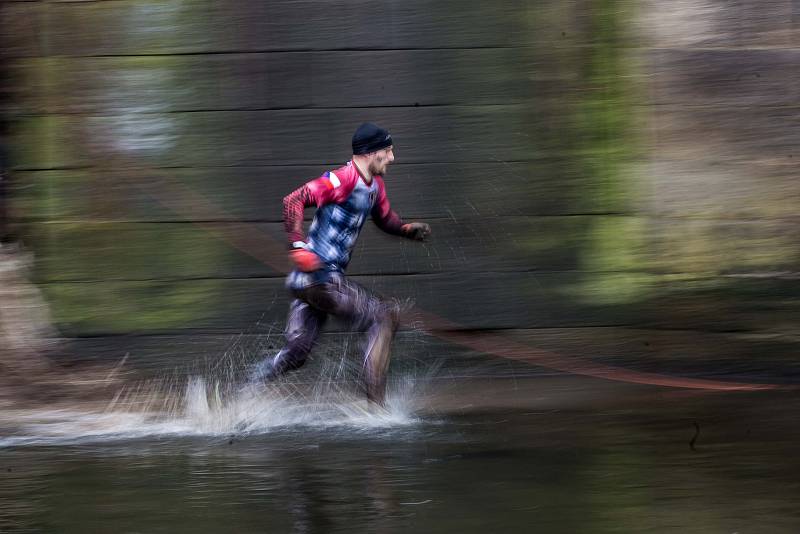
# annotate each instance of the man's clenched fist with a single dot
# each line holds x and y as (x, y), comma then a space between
(305, 260)
(416, 230)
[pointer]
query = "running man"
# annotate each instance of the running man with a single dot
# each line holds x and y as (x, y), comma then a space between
(344, 198)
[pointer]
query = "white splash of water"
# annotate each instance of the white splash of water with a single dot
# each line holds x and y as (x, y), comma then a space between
(210, 400)
(213, 409)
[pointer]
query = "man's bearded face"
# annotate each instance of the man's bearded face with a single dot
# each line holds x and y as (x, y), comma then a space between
(380, 161)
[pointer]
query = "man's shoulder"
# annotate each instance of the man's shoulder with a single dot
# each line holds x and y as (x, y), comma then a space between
(346, 171)
(345, 177)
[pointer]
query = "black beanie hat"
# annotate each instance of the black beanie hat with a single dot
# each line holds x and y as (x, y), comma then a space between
(370, 138)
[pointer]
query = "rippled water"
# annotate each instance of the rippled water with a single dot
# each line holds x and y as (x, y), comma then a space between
(543, 454)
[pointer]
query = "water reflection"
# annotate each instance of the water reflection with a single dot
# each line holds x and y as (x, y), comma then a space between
(616, 464)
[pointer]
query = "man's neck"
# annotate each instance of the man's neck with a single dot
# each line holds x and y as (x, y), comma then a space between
(363, 170)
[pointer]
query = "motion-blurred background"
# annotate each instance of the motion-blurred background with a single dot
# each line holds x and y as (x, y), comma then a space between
(608, 179)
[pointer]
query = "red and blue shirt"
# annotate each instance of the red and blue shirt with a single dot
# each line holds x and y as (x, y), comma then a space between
(344, 200)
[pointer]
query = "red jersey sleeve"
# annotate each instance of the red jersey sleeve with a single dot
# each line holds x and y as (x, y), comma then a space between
(323, 190)
(386, 219)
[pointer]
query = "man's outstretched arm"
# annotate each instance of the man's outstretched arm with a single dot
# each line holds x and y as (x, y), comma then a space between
(314, 193)
(390, 222)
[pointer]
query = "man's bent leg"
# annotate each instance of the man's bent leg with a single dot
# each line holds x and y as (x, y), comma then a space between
(377, 355)
(303, 325)
(367, 312)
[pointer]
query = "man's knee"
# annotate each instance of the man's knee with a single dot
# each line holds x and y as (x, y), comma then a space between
(389, 314)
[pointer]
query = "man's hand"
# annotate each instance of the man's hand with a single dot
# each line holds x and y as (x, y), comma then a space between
(305, 260)
(416, 230)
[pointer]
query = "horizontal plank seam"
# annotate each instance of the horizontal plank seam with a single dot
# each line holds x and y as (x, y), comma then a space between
(631, 328)
(692, 276)
(639, 328)
(413, 105)
(527, 46)
(282, 164)
(648, 216)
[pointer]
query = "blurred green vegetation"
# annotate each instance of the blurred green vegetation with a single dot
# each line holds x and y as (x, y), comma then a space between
(132, 307)
(607, 151)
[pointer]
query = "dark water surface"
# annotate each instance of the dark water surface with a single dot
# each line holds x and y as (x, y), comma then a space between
(538, 455)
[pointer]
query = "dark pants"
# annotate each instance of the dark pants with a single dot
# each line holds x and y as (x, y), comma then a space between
(342, 298)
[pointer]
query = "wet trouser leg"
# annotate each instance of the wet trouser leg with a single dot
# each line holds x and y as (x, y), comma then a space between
(378, 318)
(303, 325)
